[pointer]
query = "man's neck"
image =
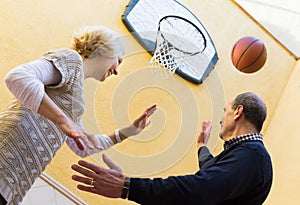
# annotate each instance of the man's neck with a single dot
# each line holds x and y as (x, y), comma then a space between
(239, 132)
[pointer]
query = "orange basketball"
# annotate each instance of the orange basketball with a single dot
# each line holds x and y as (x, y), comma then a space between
(249, 54)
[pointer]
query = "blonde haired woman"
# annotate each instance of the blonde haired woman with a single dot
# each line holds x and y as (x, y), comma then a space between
(48, 108)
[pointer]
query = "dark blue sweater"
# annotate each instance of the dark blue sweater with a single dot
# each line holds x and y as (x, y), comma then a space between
(241, 174)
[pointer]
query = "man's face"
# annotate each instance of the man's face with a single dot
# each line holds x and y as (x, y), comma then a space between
(227, 121)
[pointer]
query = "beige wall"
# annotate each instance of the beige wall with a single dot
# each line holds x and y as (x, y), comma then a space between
(283, 141)
(167, 147)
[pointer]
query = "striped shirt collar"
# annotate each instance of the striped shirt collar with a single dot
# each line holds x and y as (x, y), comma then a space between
(243, 138)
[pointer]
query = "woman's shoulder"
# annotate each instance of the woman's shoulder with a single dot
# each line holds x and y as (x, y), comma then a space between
(63, 53)
(67, 61)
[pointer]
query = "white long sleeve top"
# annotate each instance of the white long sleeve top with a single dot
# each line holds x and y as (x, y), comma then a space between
(26, 82)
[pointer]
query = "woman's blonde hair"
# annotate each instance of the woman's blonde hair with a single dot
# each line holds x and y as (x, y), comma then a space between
(92, 41)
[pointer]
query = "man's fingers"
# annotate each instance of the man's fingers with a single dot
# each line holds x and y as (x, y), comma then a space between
(203, 126)
(206, 126)
(87, 169)
(84, 180)
(205, 132)
(111, 164)
(209, 125)
(83, 171)
(87, 189)
(90, 166)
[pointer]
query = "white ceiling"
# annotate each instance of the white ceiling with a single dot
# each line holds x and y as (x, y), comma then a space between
(280, 17)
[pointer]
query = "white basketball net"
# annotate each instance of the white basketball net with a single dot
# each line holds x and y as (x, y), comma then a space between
(177, 42)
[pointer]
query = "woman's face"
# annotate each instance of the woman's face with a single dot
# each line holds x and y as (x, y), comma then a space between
(113, 69)
(101, 67)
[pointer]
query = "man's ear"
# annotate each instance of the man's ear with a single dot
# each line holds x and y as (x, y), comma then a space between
(238, 112)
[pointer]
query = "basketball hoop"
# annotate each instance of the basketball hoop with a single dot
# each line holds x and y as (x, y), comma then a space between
(179, 45)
